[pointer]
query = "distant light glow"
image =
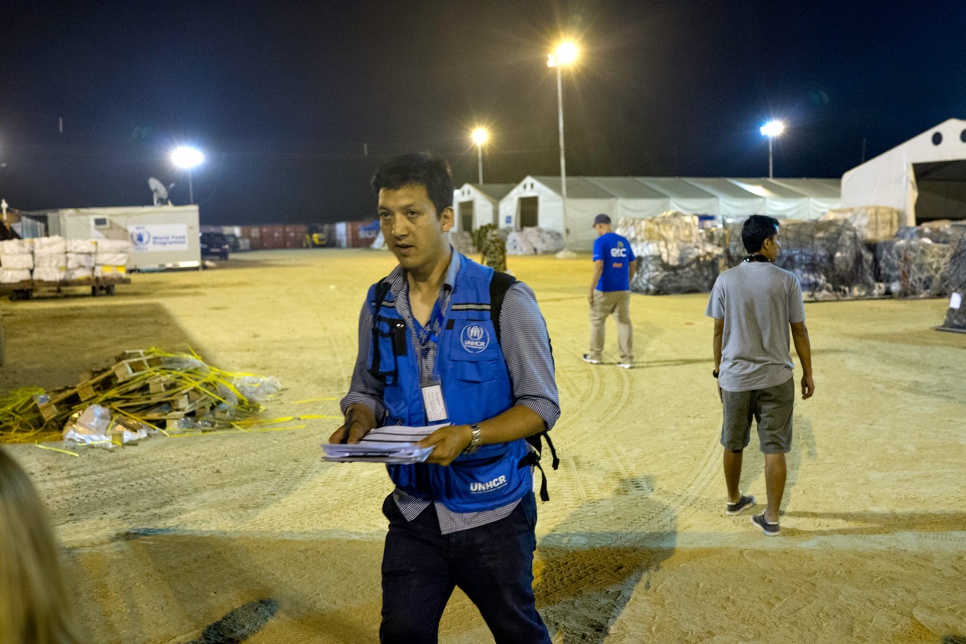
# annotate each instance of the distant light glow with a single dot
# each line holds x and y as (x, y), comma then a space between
(186, 157)
(480, 135)
(566, 53)
(772, 128)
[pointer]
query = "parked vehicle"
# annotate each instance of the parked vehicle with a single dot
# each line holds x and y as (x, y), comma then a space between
(214, 245)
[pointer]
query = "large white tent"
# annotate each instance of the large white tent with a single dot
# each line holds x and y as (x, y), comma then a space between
(478, 204)
(924, 178)
(537, 201)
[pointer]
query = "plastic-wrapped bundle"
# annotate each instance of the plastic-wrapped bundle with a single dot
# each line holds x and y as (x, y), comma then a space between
(533, 240)
(54, 245)
(50, 273)
(734, 247)
(673, 256)
(111, 252)
(938, 232)
(668, 268)
(956, 315)
(82, 246)
(828, 257)
(17, 254)
(873, 223)
(14, 275)
(913, 267)
(670, 226)
(462, 241)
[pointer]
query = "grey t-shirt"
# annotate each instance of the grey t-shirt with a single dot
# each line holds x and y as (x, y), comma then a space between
(757, 301)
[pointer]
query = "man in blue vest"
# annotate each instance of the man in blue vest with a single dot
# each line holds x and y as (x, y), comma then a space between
(610, 292)
(430, 353)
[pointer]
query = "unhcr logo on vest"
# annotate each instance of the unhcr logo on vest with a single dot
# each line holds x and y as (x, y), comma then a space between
(477, 488)
(474, 338)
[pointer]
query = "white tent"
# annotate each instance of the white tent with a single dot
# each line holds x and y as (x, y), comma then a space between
(924, 178)
(635, 199)
(733, 200)
(537, 201)
(478, 204)
(684, 196)
(792, 198)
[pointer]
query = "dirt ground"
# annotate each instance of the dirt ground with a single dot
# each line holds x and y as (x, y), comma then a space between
(205, 538)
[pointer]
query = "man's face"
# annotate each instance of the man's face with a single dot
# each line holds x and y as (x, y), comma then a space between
(601, 229)
(771, 247)
(411, 227)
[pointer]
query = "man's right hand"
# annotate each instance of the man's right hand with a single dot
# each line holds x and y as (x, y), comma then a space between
(363, 421)
(808, 387)
(590, 297)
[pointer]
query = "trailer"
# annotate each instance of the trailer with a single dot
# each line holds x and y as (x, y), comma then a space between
(160, 237)
(98, 285)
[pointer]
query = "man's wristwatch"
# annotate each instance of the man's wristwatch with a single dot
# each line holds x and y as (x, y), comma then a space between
(714, 373)
(476, 441)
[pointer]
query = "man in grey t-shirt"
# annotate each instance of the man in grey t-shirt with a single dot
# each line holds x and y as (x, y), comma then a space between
(754, 305)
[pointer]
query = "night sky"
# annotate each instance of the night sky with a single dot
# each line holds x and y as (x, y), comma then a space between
(286, 98)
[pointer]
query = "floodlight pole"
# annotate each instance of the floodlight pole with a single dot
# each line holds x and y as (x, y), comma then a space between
(771, 140)
(563, 165)
(479, 157)
(191, 192)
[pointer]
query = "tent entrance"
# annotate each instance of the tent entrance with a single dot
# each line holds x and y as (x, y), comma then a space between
(942, 190)
(529, 212)
(466, 216)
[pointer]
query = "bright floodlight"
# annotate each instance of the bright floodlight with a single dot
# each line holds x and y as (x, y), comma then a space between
(480, 136)
(187, 158)
(565, 54)
(772, 128)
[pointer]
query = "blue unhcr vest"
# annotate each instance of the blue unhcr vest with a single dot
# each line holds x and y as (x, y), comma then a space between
(475, 385)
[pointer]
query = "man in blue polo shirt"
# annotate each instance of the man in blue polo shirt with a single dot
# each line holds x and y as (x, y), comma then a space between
(610, 292)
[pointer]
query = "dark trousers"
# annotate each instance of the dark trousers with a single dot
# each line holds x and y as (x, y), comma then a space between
(492, 564)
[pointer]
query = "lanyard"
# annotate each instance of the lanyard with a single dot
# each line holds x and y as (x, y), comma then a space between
(431, 331)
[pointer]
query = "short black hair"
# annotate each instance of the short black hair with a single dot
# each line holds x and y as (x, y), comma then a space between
(756, 230)
(417, 168)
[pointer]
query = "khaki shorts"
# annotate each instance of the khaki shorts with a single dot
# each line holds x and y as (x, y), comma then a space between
(771, 407)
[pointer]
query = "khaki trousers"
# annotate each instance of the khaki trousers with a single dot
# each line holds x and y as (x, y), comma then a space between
(618, 304)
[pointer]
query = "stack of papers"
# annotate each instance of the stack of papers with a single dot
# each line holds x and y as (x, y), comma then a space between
(390, 444)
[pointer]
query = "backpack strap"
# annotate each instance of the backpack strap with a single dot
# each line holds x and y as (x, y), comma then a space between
(382, 289)
(500, 283)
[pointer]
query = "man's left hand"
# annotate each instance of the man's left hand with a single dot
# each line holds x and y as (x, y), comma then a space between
(447, 442)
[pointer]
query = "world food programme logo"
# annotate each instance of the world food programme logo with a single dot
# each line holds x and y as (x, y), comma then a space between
(474, 338)
(140, 237)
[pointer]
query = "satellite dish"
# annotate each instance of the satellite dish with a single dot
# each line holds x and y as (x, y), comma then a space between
(159, 191)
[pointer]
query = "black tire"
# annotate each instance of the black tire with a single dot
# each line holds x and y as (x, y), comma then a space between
(109, 289)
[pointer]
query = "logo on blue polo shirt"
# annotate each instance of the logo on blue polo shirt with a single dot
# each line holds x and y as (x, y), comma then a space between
(474, 338)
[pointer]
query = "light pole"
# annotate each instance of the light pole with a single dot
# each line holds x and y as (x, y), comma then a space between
(565, 54)
(187, 158)
(772, 129)
(480, 135)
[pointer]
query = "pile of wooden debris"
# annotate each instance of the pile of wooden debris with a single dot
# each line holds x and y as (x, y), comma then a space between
(163, 391)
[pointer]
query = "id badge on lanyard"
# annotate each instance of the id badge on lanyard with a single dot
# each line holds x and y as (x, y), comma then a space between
(434, 403)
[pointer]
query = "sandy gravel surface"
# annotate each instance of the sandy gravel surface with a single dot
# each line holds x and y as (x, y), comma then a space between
(252, 533)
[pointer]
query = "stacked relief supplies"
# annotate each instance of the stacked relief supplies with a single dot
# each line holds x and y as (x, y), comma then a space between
(956, 315)
(534, 241)
(80, 258)
(672, 254)
(16, 260)
(50, 259)
(111, 258)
